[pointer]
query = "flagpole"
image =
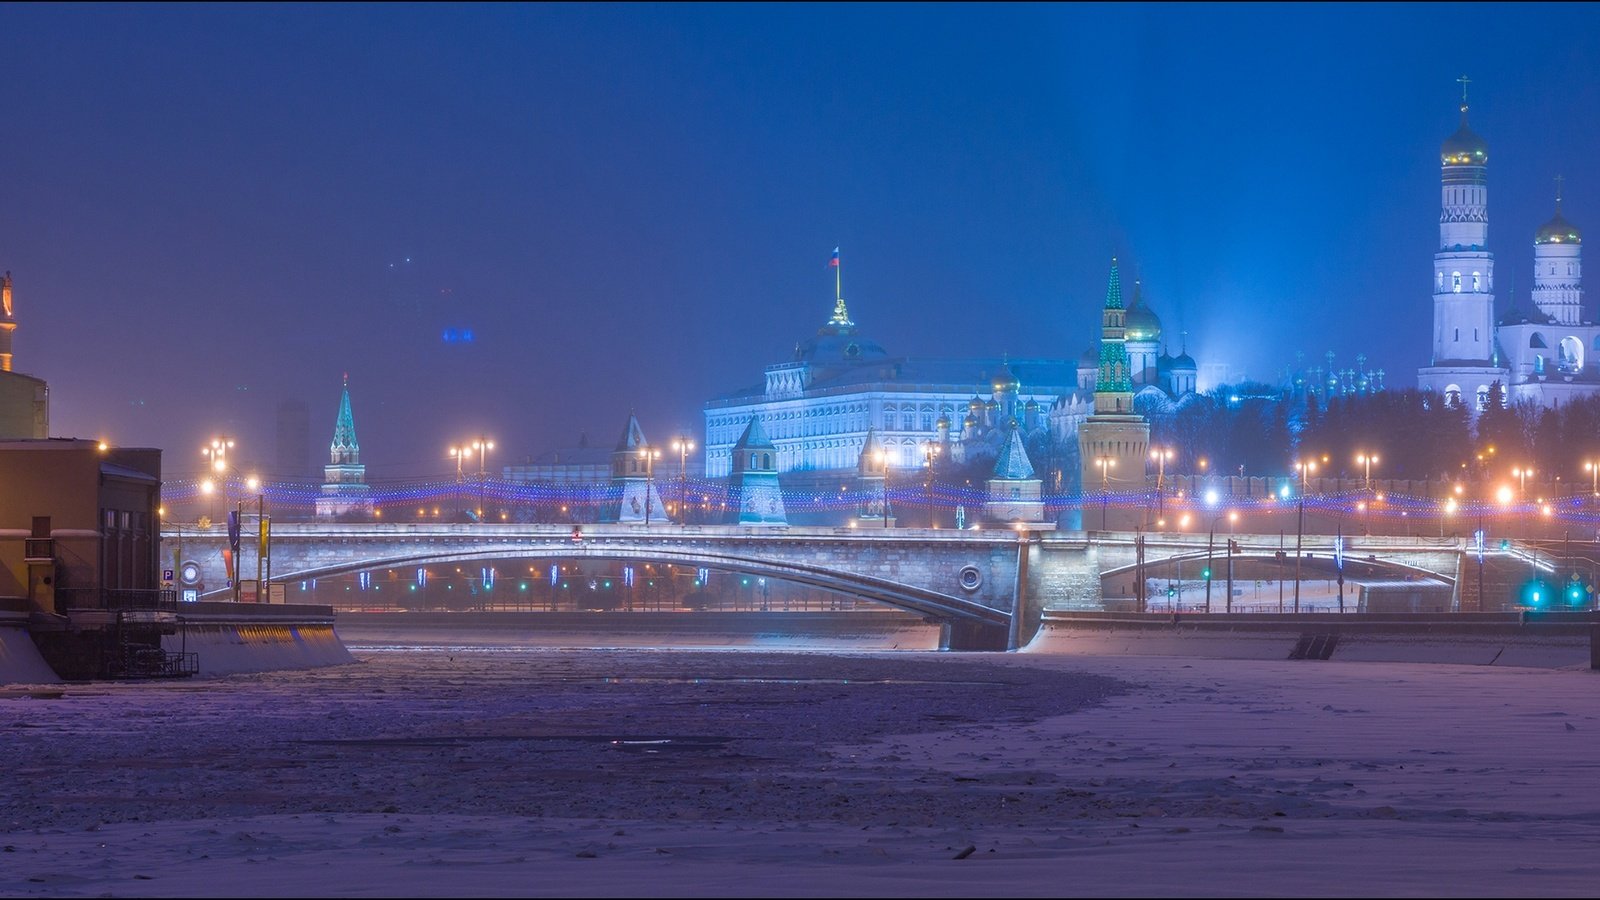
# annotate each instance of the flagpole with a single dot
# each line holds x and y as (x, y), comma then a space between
(838, 277)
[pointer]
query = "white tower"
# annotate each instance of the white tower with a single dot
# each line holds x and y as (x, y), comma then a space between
(1464, 358)
(1558, 268)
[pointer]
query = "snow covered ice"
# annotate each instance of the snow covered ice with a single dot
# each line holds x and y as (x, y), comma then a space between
(499, 771)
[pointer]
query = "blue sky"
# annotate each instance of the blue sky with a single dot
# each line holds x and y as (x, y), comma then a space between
(210, 209)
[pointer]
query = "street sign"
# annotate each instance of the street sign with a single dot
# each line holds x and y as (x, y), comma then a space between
(166, 575)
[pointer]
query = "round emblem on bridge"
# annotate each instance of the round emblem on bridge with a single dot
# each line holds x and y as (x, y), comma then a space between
(189, 573)
(970, 578)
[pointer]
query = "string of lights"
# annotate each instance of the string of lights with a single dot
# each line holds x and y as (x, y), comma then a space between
(290, 497)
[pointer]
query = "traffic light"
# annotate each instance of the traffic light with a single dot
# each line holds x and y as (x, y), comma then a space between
(1171, 592)
(1206, 574)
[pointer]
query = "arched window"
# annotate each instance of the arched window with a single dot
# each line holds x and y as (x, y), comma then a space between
(1569, 356)
(1455, 282)
(1483, 397)
(766, 460)
(1537, 341)
(753, 458)
(1538, 364)
(1475, 282)
(1458, 334)
(1439, 283)
(1452, 395)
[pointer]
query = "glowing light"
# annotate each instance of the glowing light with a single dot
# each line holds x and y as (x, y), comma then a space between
(1211, 498)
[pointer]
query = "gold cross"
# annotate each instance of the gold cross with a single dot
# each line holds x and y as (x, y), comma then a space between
(1464, 82)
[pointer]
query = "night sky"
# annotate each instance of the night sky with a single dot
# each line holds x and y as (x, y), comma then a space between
(209, 211)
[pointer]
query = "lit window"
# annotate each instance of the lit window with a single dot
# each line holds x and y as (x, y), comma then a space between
(1455, 279)
(1474, 282)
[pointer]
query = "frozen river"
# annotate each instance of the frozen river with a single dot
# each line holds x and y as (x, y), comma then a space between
(640, 772)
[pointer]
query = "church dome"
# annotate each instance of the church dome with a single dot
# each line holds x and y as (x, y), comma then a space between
(1184, 362)
(1140, 324)
(1464, 148)
(1558, 231)
(974, 405)
(1005, 380)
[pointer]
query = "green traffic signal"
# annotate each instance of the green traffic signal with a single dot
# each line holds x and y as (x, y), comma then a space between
(1206, 574)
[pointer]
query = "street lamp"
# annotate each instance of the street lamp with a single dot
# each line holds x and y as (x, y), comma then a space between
(459, 454)
(1161, 455)
(930, 451)
(1593, 469)
(1366, 460)
(1522, 473)
(684, 446)
(1211, 539)
(482, 446)
(216, 453)
(1305, 469)
(1106, 464)
(883, 487)
(649, 456)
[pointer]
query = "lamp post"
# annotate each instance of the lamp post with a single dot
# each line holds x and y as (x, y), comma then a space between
(459, 454)
(930, 452)
(1522, 473)
(1105, 463)
(1305, 469)
(1161, 455)
(1210, 542)
(263, 537)
(1593, 469)
(684, 446)
(649, 456)
(1366, 460)
(482, 446)
(883, 487)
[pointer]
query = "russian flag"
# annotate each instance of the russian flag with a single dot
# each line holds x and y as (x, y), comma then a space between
(834, 263)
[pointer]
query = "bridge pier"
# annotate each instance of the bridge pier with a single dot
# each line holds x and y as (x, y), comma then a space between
(973, 636)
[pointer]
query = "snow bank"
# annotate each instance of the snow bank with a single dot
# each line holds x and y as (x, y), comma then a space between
(224, 648)
(20, 662)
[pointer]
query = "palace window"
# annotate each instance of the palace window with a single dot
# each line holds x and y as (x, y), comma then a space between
(1455, 282)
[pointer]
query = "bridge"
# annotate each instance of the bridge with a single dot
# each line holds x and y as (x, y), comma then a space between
(985, 587)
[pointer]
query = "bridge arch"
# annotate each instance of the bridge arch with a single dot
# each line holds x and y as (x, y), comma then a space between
(922, 601)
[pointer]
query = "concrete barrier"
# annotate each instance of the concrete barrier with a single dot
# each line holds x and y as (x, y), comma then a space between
(1540, 640)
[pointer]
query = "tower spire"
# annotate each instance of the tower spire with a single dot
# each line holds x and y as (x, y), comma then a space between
(345, 449)
(1559, 179)
(841, 316)
(1464, 80)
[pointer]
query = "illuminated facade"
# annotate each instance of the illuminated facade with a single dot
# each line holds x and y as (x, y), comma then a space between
(819, 407)
(1544, 355)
